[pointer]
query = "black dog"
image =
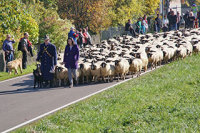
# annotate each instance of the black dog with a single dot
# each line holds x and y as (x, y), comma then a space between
(38, 80)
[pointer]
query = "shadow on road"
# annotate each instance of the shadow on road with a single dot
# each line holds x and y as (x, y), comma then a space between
(27, 87)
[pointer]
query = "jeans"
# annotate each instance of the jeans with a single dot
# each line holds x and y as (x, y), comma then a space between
(173, 27)
(9, 57)
(157, 28)
(70, 72)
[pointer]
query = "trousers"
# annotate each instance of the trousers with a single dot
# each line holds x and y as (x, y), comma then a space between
(70, 72)
(24, 59)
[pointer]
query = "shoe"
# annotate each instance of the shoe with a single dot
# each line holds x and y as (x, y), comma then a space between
(71, 85)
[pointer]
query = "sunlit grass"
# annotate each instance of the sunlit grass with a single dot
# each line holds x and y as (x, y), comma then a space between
(5, 75)
(165, 100)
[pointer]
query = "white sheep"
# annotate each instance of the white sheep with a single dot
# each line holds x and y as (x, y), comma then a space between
(121, 68)
(135, 66)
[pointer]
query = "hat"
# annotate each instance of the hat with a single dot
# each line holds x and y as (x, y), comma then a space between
(72, 28)
(46, 37)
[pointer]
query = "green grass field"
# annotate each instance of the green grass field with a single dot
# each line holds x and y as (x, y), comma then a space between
(4, 75)
(165, 100)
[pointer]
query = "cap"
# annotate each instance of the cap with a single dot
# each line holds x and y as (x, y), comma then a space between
(46, 37)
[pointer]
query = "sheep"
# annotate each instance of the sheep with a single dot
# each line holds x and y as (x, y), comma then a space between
(61, 74)
(153, 58)
(86, 71)
(144, 58)
(135, 66)
(121, 68)
(196, 48)
(107, 70)
(95, 71)
(181, 52)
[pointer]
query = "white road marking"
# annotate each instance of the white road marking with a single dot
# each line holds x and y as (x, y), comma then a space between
(76, 101)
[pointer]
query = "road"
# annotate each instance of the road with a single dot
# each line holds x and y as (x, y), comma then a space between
(19, 102)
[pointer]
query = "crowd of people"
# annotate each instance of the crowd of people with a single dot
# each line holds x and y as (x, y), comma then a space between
(81, 36)
(171, 21)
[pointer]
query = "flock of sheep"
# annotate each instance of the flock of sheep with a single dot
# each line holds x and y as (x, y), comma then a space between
(120, 56)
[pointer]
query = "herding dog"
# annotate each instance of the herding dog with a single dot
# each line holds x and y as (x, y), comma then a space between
(37, 76)
(14, 65)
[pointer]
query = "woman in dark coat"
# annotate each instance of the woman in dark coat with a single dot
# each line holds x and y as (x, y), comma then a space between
(71, 57)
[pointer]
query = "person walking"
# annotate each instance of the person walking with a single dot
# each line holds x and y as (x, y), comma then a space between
(198, 17)
(89, 40)
(165, 24)
(48, 58)
(8, 49)
(73, 34)
(186, 19)
(191, 20)
(145, 24)
(157, 23)
(129, 28)
(71, 57)
(80, 38)
(173, 24)
(25, 47)
(139, 26)
(178, 20)
(85, 37)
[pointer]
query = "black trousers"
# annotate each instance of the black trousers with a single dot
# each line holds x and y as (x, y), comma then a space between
(132, 31)
(24, 59)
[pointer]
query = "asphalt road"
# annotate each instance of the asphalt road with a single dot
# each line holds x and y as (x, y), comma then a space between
(19, 102)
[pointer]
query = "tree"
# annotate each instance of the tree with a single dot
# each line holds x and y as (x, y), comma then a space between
(50, 23)
(86, 13)
(15, 20)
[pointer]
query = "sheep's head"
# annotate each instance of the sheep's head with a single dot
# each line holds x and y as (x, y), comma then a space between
(81, 66)
(194, 47)
(177, 45)
(130, 61)
(164, 53)
(103, 65)
(147, 49)
(60, 69)
(137, 55)
(178, 51)
(93, 67)
(149, 55)
(117, 62)
(158, 46)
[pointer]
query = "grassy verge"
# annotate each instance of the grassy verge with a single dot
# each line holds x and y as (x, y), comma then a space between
(166, 100)
(4, 75)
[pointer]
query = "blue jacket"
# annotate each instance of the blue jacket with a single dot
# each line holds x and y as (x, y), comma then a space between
(73, 35)
(71, 57)
(48, 57)
(8, 45)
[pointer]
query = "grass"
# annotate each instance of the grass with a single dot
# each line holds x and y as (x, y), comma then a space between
(166, 100)
(5, 75)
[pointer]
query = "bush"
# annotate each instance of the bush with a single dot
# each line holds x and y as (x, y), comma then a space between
(15, 20)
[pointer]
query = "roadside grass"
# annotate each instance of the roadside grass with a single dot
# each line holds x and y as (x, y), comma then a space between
(165, 100)
(5, 75)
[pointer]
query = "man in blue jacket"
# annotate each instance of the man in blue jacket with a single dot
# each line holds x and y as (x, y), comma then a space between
(48, 58)
(8, 49)
(73, 34)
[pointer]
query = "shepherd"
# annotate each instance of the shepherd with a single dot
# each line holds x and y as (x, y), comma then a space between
(48, 58)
